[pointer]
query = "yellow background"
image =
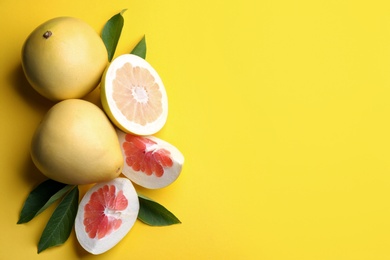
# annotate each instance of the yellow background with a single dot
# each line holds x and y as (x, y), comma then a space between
(281, 109)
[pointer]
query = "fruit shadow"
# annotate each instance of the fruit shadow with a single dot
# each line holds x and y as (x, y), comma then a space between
(94, 97)
(23, 88)
(79, 250)
(36, 102)
(31, 174)
(151, 193)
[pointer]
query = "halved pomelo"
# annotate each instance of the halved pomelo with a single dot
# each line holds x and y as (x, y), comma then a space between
(106, 214)
(133, 95)
(149, 161)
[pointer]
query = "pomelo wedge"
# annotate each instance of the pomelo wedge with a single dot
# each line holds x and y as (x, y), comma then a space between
(133, 95)
(106, 214)
(149, 161)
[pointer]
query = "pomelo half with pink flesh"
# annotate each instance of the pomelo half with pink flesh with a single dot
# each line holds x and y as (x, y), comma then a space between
(106, 214)
(133, 95)
(149, 161)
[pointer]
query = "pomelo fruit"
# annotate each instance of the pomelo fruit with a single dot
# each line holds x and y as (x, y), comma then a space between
(133, 95)
(106, 214)
(150, 161)
(64, 58)
(76, 144)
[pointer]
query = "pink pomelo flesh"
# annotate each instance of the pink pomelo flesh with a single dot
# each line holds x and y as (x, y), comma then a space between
(97, 223)
(106, 214)
(149, 161)
(142, 154)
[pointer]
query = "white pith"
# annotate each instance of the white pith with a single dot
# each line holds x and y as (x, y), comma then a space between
(140, 94)
(112, 213)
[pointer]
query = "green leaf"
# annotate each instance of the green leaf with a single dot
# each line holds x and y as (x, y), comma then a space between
(111, 33)
(60, 224)
(140, 48)
(38, 199)
(56, 197)
(154, 214)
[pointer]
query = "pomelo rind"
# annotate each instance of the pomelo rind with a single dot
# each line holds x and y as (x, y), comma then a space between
(76, 143)
(68, 63)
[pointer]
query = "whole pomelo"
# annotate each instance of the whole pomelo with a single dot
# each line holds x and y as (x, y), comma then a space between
(64, 58)
(76, 144)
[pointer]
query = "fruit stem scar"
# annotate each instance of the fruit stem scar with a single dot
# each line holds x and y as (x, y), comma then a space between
(47, 34)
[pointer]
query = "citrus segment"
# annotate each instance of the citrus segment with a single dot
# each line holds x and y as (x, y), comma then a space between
(134, 96)
(106, 214)
(149, 161)
(142, 154)
(100, 218)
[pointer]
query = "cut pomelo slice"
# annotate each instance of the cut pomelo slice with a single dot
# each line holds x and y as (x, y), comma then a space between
(133, 95)
(149, 161)
(106, 214)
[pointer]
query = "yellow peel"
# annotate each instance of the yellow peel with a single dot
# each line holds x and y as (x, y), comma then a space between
(64, 58)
